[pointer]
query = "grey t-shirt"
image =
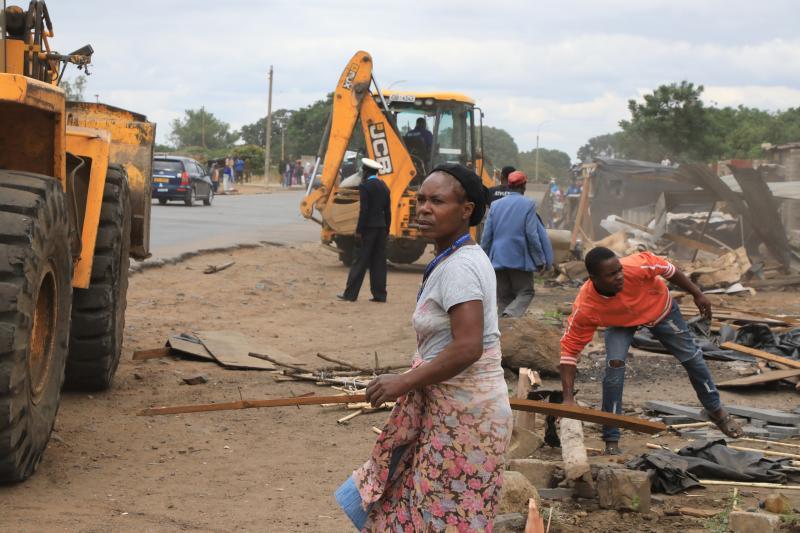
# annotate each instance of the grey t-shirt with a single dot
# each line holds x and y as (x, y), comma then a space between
(465, 276)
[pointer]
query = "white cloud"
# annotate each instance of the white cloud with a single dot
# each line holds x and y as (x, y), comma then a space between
(573, 63)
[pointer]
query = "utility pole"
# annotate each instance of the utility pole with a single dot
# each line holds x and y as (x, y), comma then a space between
(203, 126)
(269, 128)
(536, 171)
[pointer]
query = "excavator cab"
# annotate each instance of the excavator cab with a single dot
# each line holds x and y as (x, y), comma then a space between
(435, 127)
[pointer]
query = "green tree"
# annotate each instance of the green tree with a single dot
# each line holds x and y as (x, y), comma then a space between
(606, 145)
(75, 88)
(552, 164)
(255, 133)
(500, 147)
(671, 121)
(253, 155)
(198, 127)
(305, 128)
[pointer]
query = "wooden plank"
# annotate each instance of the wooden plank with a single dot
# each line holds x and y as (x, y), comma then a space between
(776, 486)
(583, 207)
(759, 379)
(155, 353)
(776, 318)
(691, 243)
(761, 354)
(533, 406)
(522, 419)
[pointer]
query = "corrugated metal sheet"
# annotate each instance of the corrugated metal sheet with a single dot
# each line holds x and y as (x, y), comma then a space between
(787, 190)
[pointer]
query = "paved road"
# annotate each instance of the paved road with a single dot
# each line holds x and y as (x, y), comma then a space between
(176, 229)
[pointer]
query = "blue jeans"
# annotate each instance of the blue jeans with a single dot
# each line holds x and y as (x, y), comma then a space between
(674, 334)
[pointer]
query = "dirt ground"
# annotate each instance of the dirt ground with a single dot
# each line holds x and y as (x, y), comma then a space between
(107, 469)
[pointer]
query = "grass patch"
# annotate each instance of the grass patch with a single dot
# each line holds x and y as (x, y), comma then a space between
(719, 524)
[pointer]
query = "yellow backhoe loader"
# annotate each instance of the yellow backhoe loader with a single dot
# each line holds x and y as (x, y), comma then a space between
(409, 134)
(74, 206)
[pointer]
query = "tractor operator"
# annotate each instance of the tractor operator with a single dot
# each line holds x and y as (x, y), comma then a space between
(421, 131)
(623, 295)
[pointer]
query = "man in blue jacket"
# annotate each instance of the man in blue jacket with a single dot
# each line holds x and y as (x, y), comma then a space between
(516, 241)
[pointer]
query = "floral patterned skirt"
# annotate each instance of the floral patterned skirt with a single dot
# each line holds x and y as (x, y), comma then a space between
(438, 464)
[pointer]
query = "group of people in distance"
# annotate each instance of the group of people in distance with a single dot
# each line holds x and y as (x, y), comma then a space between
(438, 463)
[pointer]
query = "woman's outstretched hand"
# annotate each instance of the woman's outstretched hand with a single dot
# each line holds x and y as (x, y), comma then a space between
(387, 388)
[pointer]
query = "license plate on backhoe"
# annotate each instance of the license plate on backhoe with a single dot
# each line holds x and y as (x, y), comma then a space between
(161, 180)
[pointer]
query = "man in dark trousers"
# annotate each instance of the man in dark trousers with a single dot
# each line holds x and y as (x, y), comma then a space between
(516, 242)
(374, 219)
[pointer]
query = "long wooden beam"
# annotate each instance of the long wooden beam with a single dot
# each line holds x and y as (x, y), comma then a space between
(533, 406)
(761, 354)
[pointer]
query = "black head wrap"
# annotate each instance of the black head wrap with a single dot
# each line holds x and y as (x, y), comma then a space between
(476, 192)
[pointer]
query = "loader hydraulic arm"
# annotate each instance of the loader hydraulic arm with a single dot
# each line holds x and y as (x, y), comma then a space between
(353, 86)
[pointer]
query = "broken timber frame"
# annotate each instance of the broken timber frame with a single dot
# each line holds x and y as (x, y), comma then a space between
(761, 354)
(532, 406)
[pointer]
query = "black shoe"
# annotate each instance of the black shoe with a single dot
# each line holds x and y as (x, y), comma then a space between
(345, 298)
(380, 300)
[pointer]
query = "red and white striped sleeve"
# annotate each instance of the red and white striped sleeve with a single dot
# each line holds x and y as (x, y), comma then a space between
(656, 265)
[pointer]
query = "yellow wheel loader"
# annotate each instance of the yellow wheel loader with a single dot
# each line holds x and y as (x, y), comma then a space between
(409, 134)
(74, 206)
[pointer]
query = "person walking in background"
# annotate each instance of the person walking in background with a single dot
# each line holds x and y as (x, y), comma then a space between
(287, 175)
(501, 191)
(516, 241)
(238, 169)
(372, 231)
(297, 173)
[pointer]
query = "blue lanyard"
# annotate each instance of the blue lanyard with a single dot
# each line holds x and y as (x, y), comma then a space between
(447, 252)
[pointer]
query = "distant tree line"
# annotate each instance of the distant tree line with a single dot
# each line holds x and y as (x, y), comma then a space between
(297, 132)
(673, 122)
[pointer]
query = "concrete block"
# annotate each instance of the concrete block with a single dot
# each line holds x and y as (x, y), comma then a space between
(524, 442)
(744, 522)
(769, 415)
(695, 413)
(539, 473)
(754, 431)
(755, 422)
(561, 493)
(510, 523)
(516, 492)
(623, 490)
(789, 431)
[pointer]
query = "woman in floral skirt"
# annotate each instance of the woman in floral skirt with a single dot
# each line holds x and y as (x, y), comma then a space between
(437, 465)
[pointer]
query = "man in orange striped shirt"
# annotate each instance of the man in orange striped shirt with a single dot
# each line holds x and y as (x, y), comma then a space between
(623, 295)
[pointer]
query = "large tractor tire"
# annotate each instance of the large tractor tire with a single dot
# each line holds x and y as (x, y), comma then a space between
(405, 251)
(35, 300)
(98, 312)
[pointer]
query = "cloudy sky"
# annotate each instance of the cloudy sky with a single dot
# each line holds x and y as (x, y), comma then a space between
(566, 67)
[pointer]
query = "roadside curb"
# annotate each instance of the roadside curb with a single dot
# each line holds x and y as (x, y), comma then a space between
(148, 264)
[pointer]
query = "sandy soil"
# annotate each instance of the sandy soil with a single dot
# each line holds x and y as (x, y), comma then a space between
(276, 469)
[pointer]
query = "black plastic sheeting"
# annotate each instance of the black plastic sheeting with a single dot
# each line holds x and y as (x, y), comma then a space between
(674, 472)
(753, 335)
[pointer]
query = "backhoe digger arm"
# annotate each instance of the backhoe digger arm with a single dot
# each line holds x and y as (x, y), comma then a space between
(353, 86)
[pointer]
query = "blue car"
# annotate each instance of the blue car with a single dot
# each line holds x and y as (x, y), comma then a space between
(182, 179)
